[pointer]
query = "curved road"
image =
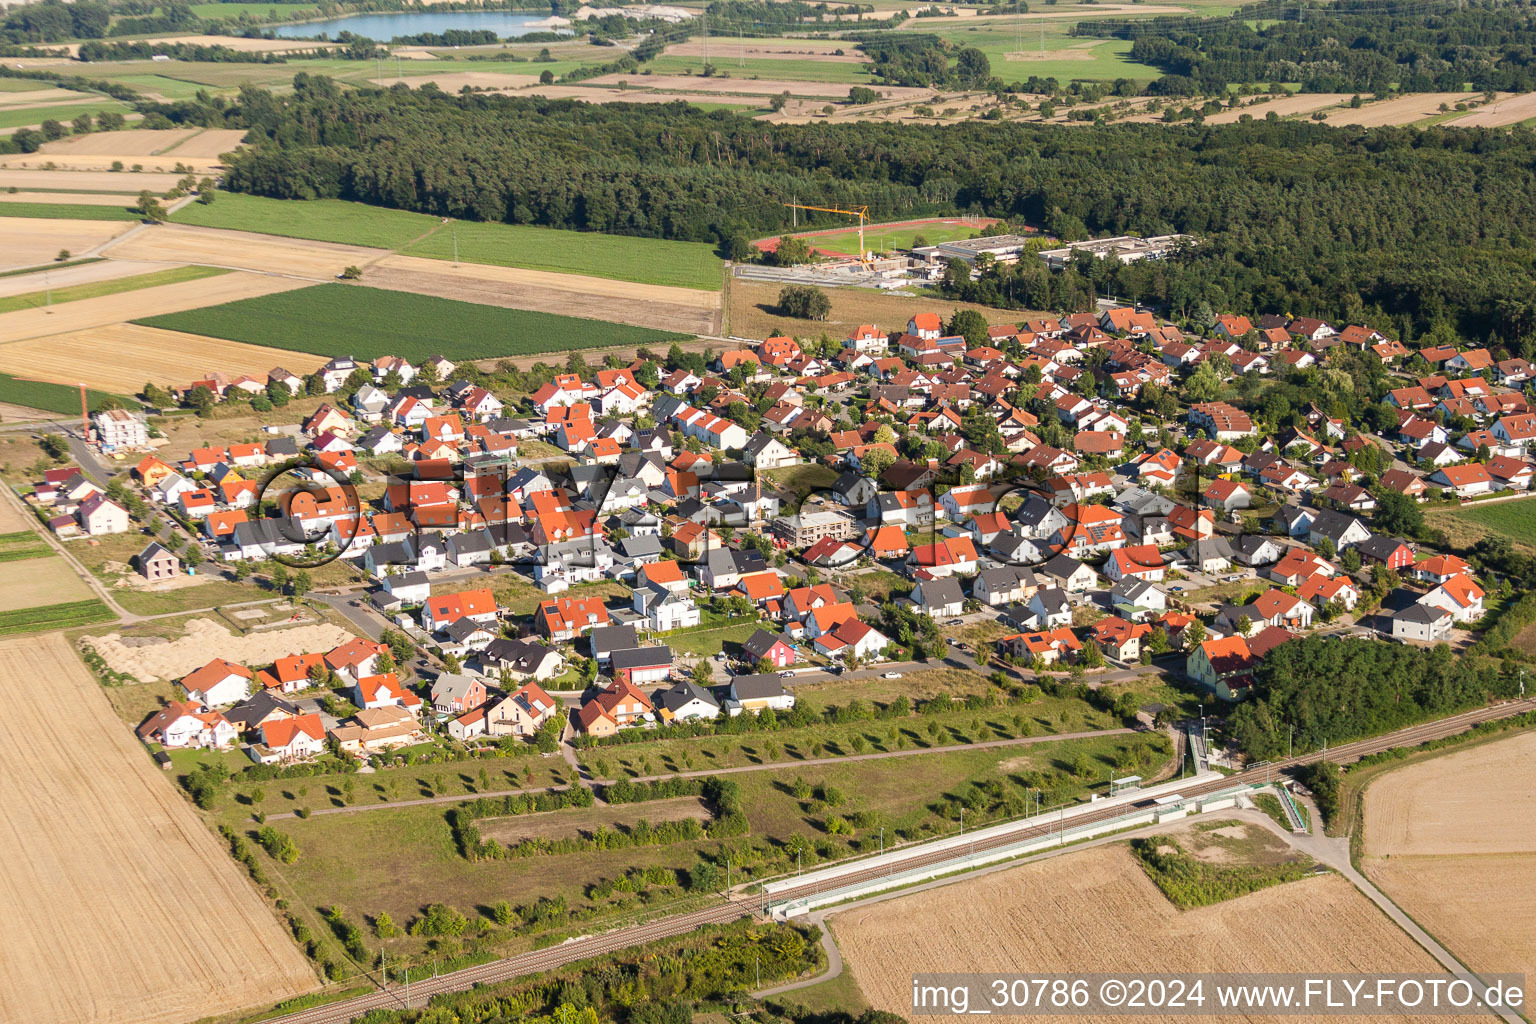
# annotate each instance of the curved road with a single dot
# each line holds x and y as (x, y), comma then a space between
(738, 904)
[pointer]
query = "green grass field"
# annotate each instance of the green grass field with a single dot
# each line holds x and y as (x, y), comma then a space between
(10, 118)
(338, 319)
(54, 616)
(67, 211)
(728, 65)
(96, 289)
(22, 85)
(1513, 519)
(619, 257)
(255, 10)
(880, 239)
(59, 398)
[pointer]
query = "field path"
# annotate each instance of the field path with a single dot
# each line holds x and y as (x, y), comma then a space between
(123, 907)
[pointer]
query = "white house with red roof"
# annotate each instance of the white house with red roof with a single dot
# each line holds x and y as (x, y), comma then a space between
(185, 724)
(289, 739)
(218, 683)
(1460, 595)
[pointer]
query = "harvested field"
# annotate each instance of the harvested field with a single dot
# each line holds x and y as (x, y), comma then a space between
(453, 81)
(753, 304)
(74, 198)
(124, 144)
(42, 97)
(1066, 11)
(809, 49)
(151, 658)
(32, 241)
(210, 142)
(1280, 106)
(115, 309)
(46, 581)
(100, 181)
(1452, 840)
(116, 950)
(249, 45)
(568, 824)
(181, 243)
(12, 519)
(1510, 110)
(1400, 110)
(1097, 911)
(106, 270)
(120, 357)
(754, 86)
(684, 310)
(598, 94)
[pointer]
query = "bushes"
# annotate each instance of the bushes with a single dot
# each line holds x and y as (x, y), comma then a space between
(439, 921)
(350, 934)
(1190, 883)
(1322, 778)
(279, 845)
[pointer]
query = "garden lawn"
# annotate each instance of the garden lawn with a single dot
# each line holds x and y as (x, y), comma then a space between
(97, 289)
(366, 323)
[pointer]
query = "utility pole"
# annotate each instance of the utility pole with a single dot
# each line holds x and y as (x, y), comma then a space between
(455, 246)
(48, 289)
(1290, 743)
(882, 840)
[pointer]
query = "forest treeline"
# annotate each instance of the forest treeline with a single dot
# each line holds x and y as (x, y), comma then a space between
(1366, 46)
(1335, 691)
(1295, 217)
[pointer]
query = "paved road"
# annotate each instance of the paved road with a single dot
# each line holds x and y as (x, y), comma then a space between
(735, 906)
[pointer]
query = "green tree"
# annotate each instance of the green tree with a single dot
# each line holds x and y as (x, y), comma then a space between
(804, 302)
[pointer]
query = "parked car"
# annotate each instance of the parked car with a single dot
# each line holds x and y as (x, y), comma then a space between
(891, 675)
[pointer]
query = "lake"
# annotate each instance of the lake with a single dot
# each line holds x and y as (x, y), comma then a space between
(384, 27)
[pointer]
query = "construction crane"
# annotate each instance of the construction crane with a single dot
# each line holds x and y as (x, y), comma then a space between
(861, 212)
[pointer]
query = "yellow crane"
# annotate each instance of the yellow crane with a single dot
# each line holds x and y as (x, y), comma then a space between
(861, 212)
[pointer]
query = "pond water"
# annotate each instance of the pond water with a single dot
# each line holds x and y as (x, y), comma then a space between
(384, 27)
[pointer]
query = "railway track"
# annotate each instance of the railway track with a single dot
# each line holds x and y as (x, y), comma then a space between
(739, 906)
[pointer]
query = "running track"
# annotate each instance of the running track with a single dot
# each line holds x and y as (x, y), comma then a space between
(740, 905)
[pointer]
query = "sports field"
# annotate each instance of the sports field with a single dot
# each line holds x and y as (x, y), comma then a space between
(619, 257)
(125, 908)
(341, 320)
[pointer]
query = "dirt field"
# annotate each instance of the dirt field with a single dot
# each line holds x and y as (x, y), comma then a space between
(1281, 106)
(121, 357)
(1097, 911)
(210, 142)
(754, 86)
(125, 908)
(1401, 110)
(594, 94)
(12, 519)
(1453, 841)
(107, 270)
(71, 198)
(568, 824)
(125, 144)
(820, 50)
(103, 181)
(206, 639)
(1510, 110)
(182, 243)
(33, 241)
(686, 310)
(43, 581)
(115, 309)
(752, 311)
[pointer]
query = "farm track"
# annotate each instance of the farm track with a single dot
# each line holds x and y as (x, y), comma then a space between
(607, 942)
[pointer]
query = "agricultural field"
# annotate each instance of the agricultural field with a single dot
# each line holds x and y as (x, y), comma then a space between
(38, 180)
(1450, 840)
(35, 394)
(1468, 524)
(12, 117)
(68, 211)
(1096, 910)
(337, 320)
(107, 310)
(117, 950)
(32, 242)
(72, 293)
(623, 258)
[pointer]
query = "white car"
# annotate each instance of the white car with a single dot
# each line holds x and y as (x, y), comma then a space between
(891, 675)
